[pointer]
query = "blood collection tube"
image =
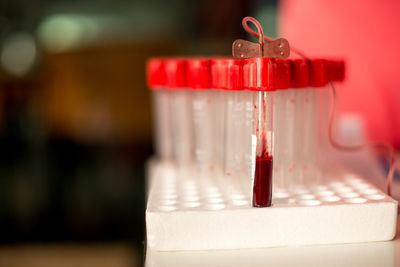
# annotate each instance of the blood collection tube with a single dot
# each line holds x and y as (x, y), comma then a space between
(199, 80)
(319, 82)
(218, 81)
(236, 139)
(161, 112)
(306, 134)
(259, 76)
(282, 84)
(180, 111)
(286, 141)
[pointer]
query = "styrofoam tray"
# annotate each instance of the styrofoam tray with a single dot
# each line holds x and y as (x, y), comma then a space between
(188, 212)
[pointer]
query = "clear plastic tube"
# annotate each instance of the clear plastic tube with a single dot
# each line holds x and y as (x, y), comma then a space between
(203, 133)
(180, 110)
(218, 103)
(162, 124)
(310, 137)
(288, 137)
(235, 164)
(324, 106)
(263, 133)
(248, 130)
(279, 140)
(299, 136)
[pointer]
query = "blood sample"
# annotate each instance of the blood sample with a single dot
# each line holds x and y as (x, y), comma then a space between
(160, 97)
(260, 76)
(262, 189)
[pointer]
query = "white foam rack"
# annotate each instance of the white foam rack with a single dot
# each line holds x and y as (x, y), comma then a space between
(188, 213)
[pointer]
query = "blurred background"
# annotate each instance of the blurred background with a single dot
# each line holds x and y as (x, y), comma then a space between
(75, 117)
(75, 113)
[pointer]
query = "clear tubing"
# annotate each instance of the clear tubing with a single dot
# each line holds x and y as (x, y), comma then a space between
(203, 133)
(180, 110)
(162, 124)
(263, 132)
(234, 164)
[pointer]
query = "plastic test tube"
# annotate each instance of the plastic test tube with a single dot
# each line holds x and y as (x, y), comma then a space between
(161, 113)
(278, 119)
(259, 76)
(236, 138)
(287, 136)
(218, 80)
(319, 82)
(282, 85)
(180, 111)
(199, 76)
(305, 123)
(325, 71)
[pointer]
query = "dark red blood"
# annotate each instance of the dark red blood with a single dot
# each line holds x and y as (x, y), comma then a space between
(262, 189)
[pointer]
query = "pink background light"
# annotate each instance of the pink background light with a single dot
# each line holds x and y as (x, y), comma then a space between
(367, 35)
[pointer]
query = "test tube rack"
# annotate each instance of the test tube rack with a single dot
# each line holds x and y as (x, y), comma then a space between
(197, 214)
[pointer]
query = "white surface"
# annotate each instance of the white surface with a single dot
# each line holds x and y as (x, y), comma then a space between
(186, 212)
(347, 255)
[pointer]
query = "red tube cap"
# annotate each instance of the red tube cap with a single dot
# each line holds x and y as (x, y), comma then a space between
(318, 73)
(218, 71)
(258, 74)
(300, 73)
(282, 74)
(234, 74)
(155, 70)
(175, 73)
(266, 74)
(199, 73)
(336, 70)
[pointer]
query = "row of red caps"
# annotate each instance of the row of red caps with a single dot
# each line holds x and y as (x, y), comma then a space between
(260, 74)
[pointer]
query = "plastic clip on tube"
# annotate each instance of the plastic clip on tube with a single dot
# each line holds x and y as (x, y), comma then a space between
(162, 119)
(180, 111)
(259, 76)
(199, 80)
